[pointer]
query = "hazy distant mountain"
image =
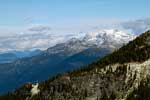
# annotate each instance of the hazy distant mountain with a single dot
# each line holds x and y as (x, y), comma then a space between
(7, 57)
(14, 55)
(61, 57)
(122, 75)
(27, 53)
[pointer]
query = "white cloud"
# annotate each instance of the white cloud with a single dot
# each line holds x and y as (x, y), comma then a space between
(39, 28)
(35, 37)
(137, 26)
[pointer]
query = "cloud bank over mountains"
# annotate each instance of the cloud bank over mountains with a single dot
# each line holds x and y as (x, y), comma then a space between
(43, 36)
(35, 37)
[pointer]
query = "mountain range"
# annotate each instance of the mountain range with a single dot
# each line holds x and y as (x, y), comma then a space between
(121, 75)
(62, 57)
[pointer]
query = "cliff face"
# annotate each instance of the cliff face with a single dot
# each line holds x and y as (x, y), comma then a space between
(122, 75)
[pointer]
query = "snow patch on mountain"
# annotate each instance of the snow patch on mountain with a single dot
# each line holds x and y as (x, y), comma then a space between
(35, 90)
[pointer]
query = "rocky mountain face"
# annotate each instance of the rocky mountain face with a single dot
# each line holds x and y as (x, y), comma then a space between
(61, 58)
(122, 75)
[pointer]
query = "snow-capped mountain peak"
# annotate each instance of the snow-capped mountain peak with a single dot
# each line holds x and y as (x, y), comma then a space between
(111, 35)
(110, 39)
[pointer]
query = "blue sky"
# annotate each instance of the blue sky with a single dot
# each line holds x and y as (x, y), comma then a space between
(28, 24)
(69, 13)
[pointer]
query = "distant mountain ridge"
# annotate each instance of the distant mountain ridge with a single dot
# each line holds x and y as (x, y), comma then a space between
(12, 56)
(7, 57)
